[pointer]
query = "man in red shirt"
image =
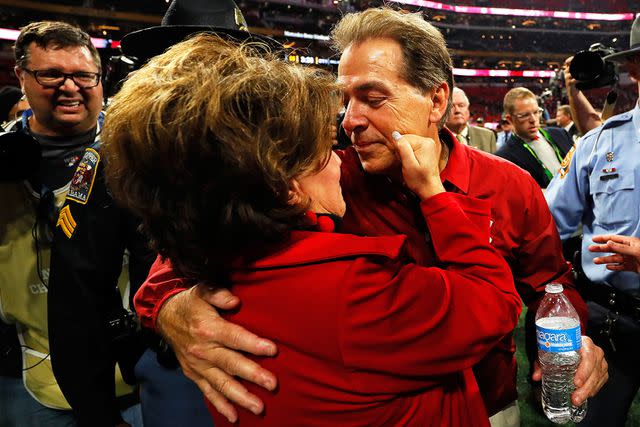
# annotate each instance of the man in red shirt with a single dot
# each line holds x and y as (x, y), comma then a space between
(396, 76)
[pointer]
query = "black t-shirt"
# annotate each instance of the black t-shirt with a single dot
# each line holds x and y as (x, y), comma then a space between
(60, 157)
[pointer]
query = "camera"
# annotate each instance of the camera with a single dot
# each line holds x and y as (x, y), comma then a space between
(590, 69)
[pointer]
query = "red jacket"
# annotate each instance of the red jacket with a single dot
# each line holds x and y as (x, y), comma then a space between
(522, 230)
(364, 338)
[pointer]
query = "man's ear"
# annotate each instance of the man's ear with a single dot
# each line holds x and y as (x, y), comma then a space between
(20, 75)
(440, 100)
(508, 118)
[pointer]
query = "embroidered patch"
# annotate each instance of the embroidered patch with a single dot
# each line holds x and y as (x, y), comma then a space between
(83, 178)
(566, 162)
(66, 222)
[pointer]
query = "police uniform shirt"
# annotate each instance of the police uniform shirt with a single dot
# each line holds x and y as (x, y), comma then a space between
(598, 186)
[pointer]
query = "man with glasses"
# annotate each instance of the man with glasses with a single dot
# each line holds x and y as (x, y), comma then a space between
(538, 151)
(47, 262)
(598, 187)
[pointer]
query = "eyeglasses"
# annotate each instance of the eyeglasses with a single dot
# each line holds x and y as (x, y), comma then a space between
(56, 78)
(525, 116)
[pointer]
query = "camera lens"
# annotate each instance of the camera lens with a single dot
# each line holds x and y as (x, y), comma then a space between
(586, 66)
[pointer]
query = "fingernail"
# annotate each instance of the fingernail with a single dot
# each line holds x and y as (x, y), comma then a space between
(266, 346)
(255, 407)
(396, 135)
(268, 382)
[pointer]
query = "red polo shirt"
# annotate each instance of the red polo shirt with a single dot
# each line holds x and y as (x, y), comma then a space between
(522, 230)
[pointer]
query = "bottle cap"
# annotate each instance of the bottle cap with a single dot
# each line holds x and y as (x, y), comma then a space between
(553, 288)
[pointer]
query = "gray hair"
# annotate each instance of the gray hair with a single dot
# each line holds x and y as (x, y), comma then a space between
(427, 62)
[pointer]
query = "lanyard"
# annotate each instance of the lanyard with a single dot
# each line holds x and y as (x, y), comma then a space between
(544, 133)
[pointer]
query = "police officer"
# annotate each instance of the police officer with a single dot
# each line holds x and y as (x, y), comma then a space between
(598, 187)
(59, 71)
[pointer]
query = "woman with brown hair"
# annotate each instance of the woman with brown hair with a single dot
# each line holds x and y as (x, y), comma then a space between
(225, 153)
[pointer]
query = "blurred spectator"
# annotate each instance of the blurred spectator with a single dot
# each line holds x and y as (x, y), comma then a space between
(538, 151)
(12, 103)
(504, 134)
(564, 120)
(458, 123)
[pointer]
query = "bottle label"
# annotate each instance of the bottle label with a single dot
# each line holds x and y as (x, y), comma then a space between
(558, 340)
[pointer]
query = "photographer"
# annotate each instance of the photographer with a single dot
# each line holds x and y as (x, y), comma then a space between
(59, 71)
(598, 187)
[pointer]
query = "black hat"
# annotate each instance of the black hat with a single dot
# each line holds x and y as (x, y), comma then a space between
(186, 17)
(9, 96)
(634, 45)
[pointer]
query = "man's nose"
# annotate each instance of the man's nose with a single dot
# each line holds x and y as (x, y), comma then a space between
(354, 118)
(69, 84)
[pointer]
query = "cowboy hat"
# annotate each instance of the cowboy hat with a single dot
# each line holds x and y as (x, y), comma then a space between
(634, 44)
(186, 17)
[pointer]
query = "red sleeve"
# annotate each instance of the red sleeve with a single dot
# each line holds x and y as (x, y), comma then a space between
(161, 284)
(409, 320)
(540, 260)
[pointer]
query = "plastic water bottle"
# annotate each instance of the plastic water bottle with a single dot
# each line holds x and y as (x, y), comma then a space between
(559, 339)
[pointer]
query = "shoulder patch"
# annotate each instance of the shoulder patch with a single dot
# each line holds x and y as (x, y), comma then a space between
(566, 162)
(84, 177)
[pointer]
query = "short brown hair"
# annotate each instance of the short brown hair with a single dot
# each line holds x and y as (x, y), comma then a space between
(427, 62)
(513, 95)
(566, 110)
(51, 34)
(203, 142)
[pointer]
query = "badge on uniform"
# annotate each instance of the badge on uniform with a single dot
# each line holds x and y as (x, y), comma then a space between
(83, 178)
(566, 162)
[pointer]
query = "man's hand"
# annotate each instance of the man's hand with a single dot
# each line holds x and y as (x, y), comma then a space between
(569, 81)
(205, 346)
(420, 159)
(626, 252)
(591, 375)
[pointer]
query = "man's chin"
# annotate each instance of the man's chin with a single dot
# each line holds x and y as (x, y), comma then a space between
(376, 166)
